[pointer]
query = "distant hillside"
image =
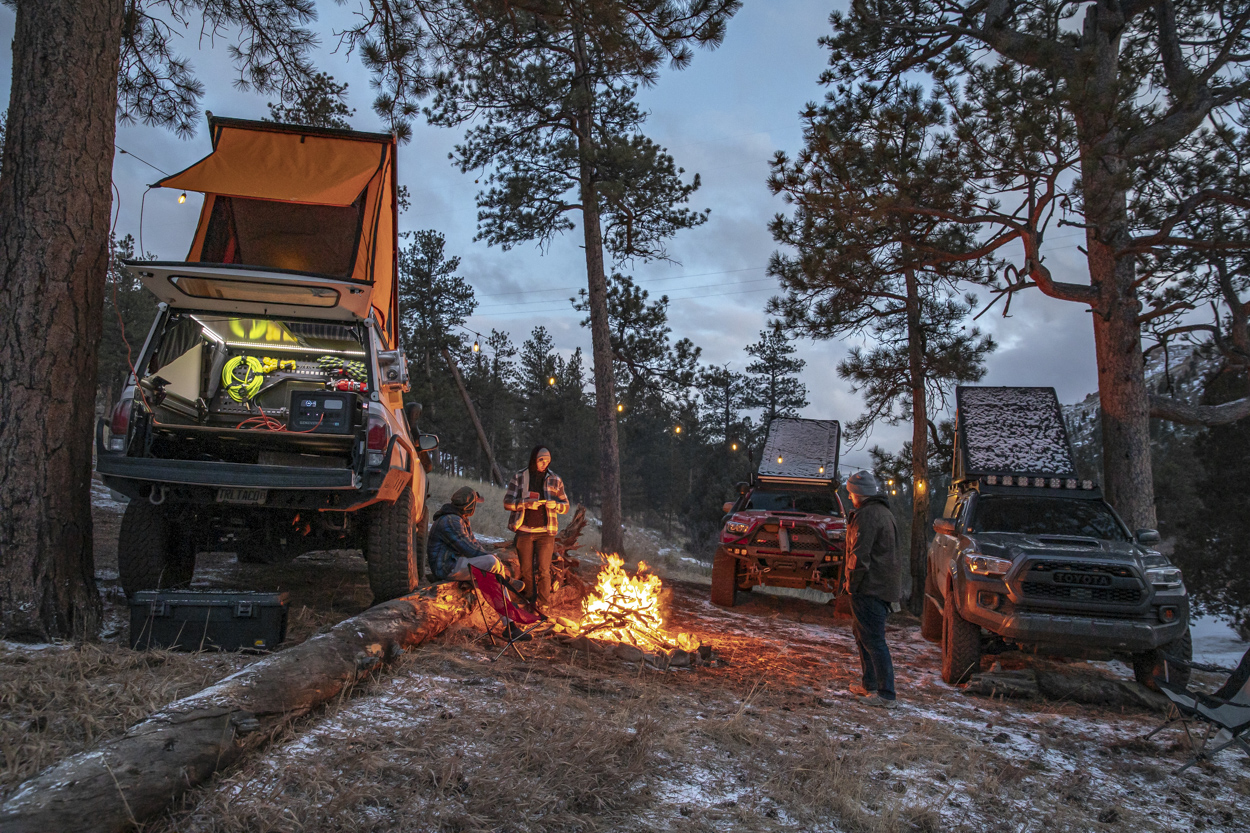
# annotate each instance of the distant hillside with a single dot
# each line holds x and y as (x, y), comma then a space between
(1182, 376)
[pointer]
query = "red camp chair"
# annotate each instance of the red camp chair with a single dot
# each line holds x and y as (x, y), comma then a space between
(495, 594)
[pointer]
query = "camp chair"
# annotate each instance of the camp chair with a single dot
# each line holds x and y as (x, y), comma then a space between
(1225, 711)
(494, 593)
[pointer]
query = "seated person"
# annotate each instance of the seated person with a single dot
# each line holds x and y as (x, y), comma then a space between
(452, 545)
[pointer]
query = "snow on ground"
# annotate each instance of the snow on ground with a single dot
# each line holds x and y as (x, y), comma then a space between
(102, 497)
(771, 740)
(1216, 642)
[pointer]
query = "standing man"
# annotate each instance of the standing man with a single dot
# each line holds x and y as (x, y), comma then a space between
(874, 579)
(536, 499)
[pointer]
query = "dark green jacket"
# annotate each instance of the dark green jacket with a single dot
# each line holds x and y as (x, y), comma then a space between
(874, 566)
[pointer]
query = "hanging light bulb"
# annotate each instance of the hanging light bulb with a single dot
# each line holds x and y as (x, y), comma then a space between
(779, 460)
(677, 430)
(620, 408)
(733, 446)
(182, 197)
(477, 348)
(551, 380)
(822, 469)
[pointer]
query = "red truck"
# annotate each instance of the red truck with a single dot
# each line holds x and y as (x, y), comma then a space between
(787, 527)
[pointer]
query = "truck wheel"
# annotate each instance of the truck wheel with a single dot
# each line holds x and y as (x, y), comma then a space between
(931, 615)
(390, 548)
(152, 554)
(724, 579)
(1151, 664)
(961, 646)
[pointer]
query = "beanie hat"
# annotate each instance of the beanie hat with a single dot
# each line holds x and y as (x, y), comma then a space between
(465, 498)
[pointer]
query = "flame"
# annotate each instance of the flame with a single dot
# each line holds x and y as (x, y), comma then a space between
(626, 609)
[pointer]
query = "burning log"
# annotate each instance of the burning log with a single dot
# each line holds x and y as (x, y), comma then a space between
(122, 782)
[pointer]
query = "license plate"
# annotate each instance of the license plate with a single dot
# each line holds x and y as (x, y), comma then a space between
(254, 497)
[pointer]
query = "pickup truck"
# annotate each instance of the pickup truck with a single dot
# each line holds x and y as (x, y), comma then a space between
(263, 414)
(1030, 557)
(787, 527)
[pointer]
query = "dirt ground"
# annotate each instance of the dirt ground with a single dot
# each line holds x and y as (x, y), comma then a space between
(769, 739)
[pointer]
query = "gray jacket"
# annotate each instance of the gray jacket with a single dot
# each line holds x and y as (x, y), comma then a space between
(873, 564)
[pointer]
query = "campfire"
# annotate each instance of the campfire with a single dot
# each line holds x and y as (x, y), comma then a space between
(626, 609)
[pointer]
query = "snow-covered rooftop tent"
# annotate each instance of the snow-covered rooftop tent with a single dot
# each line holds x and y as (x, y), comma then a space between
(1002, 434)
(800, 451)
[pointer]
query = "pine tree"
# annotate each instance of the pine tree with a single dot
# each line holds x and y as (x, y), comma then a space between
(774, 384)
(550, 88)
(1070, 118)
(319, 104)
(127, 316)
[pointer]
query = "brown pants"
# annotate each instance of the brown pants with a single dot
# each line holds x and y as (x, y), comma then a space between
(535, 549)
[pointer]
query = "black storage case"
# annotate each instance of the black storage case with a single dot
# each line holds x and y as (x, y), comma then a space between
(193, 620)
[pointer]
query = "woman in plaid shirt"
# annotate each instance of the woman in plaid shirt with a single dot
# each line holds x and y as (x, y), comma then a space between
(536, 499)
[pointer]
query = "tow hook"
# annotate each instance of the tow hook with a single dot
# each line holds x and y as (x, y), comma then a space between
(157, 496)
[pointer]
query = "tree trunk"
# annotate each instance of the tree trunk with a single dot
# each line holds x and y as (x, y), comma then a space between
(54, 225)
(613, 539)
(128, 780)
(919, 549)
(495, 473)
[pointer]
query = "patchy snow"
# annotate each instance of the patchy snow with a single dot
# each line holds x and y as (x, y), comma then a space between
(1013, 430)
(801, 448)
(102, 497)
(1216, 642)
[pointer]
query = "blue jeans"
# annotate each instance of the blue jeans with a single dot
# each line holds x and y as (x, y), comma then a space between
(868, 625)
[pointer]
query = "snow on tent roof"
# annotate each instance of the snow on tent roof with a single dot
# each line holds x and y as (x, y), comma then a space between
(804, 446)
(1012, 430)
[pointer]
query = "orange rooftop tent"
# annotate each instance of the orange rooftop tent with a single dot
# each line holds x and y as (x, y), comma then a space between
(301, 201)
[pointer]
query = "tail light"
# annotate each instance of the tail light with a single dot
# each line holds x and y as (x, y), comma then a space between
(119, 423)
(377, 437)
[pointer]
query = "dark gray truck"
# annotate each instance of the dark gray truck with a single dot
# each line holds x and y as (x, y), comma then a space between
(1030, 557)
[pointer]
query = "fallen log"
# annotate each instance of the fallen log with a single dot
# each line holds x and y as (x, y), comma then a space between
(125, 781)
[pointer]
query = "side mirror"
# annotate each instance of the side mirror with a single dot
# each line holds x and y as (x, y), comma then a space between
(412, 413)
(427, 442)
(727, 507)
(944, 526)
(1147, 536)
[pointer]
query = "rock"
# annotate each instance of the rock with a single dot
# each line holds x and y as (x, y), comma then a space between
(679, 659)
(705, 653)
(628, 653)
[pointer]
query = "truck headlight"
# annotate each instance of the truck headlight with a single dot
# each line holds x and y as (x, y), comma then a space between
(986, 565)
(736, 528)
(1164, 578)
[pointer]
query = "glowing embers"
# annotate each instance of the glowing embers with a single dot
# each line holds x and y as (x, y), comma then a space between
(627, 609)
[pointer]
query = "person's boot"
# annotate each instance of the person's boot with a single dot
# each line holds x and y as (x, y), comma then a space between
(516, 634)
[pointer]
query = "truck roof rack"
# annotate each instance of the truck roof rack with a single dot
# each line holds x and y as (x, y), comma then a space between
(1013, 436)
(800, 451)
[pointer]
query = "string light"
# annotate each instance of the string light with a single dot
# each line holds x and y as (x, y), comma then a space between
(733, 447)
(620, 408)
(779, 460)
(551, 380)
(677, 429)
(477, 348)
(182, 197)
(822, 469)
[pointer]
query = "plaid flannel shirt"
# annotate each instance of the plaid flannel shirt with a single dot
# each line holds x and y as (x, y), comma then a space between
(514, 500)
(451, 537)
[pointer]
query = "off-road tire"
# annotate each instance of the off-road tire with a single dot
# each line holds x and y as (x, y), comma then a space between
(391, 548)
(1151, 664)
(724, 579)
(152, 553)
(931, 614)
(961, 646)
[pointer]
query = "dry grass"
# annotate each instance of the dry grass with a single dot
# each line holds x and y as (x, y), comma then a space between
(60, 700)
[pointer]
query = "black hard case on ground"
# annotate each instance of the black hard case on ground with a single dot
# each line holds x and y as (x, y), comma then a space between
(193, 620)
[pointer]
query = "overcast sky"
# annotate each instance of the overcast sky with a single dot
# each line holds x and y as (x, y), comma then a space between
(723, 117)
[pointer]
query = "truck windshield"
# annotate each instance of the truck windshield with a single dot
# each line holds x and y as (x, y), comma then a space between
(817, 503)
(1046, 516)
